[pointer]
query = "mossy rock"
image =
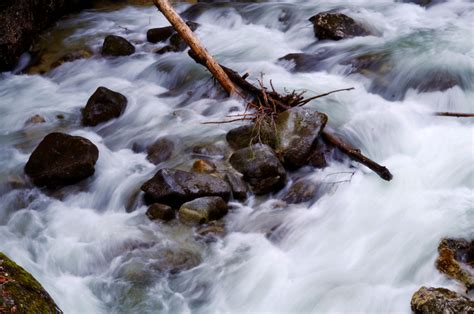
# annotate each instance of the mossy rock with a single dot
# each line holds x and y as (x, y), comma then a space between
(20, 292)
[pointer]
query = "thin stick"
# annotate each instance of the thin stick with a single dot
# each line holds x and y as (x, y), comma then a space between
(304, 102)
(187, 35)
(454, 114)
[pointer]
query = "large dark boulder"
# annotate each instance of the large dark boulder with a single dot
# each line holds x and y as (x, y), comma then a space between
(336, 26)
(61, 159)
(249, 134)
(117, 46)
(155, 35)
(20, 292)
(260, 167)
(440, 301)
(23, 20)
(456, 260)
(202, 210)
(297, 130)
(175, 187)
(103, 106)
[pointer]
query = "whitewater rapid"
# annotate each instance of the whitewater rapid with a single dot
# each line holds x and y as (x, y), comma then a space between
(365, 246)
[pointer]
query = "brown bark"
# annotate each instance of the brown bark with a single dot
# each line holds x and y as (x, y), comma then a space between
(198, 49)
(455, 114)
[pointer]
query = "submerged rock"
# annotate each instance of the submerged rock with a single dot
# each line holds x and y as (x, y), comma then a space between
(102, 106)
(175, 187)
(211, 231)
(34, 120)
(20, 292)
(308, 62)
(203, 210)
(300, 192)
(117, 46)
(160, 212)
(161, 150)
(260, 167)
(440, 301)
(297, 129)
(72, 56)
(61, 159)
(456, 260)
(336, 26)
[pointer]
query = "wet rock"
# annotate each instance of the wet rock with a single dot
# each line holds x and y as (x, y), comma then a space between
(297, 129)
(247, 135)
(370, 64)
(36, 119)
(260, 167)
(210, 150)
(440, 300)
(176, 260)
(72, 56)
(161, 150)
(336, 26)
(204, 166)
(238, 186)
(117, 46)
(160, 212)
(317, 158)
(456, 260)
(175, 187)
(308, 62)
(300, 192)
(422, 3)
(438, 80)
(103, 106)
(211, 231)
(61, 159)
(203, 210)
(165, 49)
(155, 35)
(20, 292)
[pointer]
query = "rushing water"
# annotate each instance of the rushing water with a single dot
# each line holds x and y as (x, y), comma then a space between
(364, 246)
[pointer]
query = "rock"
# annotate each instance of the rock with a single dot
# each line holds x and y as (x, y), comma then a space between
(456, 260)
(210, 150)
(203, 210)
(440, 301)
(437, 80)
(317, 158)
(297, 129)
(20, 292)
(160, 212)
(260, 167)
(204, 166)
(175, 261)
(308, 62)
(36, 119)
(103, 106)
(238, 186)
(165, 49)
(117, 46)
(422, 3)
(24, 20)
(247, 135)
(211, 231)
(175, 187)
(155, 35)
(161, 150)
(300, 192)
(61, 159)
(72, 56)
(336, 26)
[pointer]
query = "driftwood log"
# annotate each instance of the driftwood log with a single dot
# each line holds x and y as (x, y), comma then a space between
(237, 85)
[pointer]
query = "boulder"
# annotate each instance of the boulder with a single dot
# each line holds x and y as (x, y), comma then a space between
(300, 192)
(247, 135)
(260, 168)
(161, 150)
(175, 187)
(160, 212)
(61, 159)
(103, 106)
(211, 231)
(204, 166)
(297, 130)
(308, 62)
(336, 26)
(117, 46)
(20, 292)
(72, 56)
(165, 49)
(456, 260)
(440, 301)
(203, 210)
(238, 186)
(155, 35)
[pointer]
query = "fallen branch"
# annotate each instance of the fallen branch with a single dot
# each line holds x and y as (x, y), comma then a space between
(263, 102)
(454, 114)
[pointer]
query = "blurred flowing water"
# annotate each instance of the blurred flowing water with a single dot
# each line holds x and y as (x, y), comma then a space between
(365, 246)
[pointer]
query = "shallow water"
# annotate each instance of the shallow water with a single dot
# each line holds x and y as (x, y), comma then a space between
(365, 246)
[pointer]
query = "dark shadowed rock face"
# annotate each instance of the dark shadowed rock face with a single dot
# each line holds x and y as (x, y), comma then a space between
(155, 35)
(160, 212)
(161, 150)
(456, 260)
(23, 20)
(175, 187)
(300, 192)
(336, 26)
(20, 292)
(260, 167)
(247, 135)
(297, 129)
(117, 46)
(440, 301)
(61, 159)
(103, 106)
(203, 210)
